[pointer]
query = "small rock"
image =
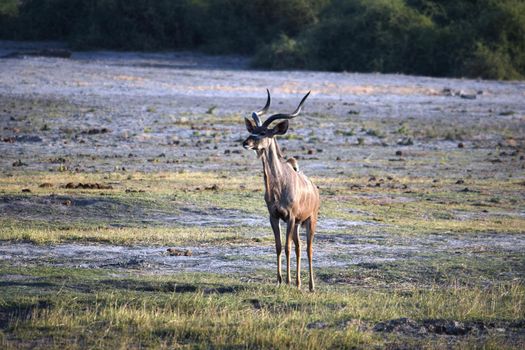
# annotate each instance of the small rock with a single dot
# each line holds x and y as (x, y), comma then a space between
(67, 203)
(95, 131)
(45, 185)
(460, 182)
(60, 160)
(405, 141)
(461, 145)
(448, 327)
(448, 92)
(467, 96)
(28, 138)
(179, 252)
(399, 153)
(26, 190)
(214, 187)
(19, 163)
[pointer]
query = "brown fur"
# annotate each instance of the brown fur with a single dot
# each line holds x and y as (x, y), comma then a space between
(290, 196)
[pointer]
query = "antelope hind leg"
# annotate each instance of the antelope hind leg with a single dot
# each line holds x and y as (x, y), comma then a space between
(278, 246)
(288, 246)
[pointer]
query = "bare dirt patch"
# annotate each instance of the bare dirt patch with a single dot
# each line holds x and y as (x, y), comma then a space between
(339, 252)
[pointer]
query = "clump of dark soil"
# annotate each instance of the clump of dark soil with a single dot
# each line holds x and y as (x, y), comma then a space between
(410, 327)
(88, 186)
(95, 131)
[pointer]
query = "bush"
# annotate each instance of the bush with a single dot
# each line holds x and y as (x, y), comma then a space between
(490, 64)
(482, 38)
(284, 53)
(9, 8)
(373, 35)
(220, 26)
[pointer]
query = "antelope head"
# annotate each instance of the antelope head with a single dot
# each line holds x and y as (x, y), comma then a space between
(261, 135)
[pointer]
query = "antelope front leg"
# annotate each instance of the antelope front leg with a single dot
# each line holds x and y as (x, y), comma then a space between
(289, 232)
(278, 246)
(297, 243)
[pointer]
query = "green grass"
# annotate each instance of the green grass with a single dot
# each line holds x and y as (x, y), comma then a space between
(82, 308)
(408, 206)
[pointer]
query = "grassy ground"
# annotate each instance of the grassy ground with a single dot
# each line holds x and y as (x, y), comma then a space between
(56, 307)
(420, 243)
(407, 205)
(80, 308)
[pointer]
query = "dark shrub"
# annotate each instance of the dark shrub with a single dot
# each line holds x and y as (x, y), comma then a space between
(284, 53)
(475, 38)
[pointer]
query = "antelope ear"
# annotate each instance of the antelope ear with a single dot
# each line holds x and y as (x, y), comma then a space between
(250, 125)
(281, 128)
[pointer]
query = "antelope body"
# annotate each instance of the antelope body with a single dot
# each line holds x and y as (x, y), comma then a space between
(290, 196)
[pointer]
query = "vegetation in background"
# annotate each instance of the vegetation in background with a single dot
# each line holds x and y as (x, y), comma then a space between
(217, 26)
(484, 38)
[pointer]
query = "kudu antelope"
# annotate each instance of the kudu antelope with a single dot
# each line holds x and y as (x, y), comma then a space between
(290, 196)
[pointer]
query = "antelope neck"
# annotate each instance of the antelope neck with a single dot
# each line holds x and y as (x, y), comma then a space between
(272, 166)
